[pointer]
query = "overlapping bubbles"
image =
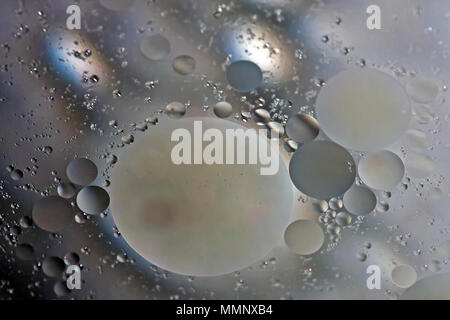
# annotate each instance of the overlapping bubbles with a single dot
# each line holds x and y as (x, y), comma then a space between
(204, 219)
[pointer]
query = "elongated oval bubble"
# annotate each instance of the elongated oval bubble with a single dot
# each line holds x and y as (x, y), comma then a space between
(359, 200)
(304, 237)
(302, 128)
(363, 109)
(155, 47)
(423, 89)
(197, 219)
(322, 169)
(381, 170)
(244, 76)
(52, 213)
(183, 65)
(223, 109)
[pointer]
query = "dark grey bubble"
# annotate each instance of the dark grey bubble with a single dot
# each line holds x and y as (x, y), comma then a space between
(302, 128)
(66, 190)
(359, 200)
(183, 65)
(93, 200)
(155, 47)
(71, 258)
(26, 222)
(52, 213)
(81, 171)
(16, 174)
(60, 289)
(322, 169)
(53, 267)
(244, 76)
(25, 251)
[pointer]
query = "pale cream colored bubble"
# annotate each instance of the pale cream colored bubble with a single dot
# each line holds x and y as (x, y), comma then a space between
(223, 109)
(363, 109)
(431, 288)
(304, 237)
(381, 170)
(404, 276)
(198, 219)
(419, 165)
(359, 200)
(423, 89)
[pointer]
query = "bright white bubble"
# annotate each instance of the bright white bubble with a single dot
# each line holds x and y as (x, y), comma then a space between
(381, 170)
(363, 109)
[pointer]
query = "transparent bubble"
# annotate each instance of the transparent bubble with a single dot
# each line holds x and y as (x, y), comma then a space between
(93, 199)
(155, 47)
(175, 110)
(381, 170)
(415, 140)
(25, 251)
(363, 109)
(434, 287)
(53, 267)
(322, 169)
(183, 65)
(423, 89)
(302, 128)
(81, 171)
(60, 289)
(359, 200)
(244, 76)
(419, 165)
(197, 219)
(404, 276)
(223, 109)
(71, 258)
(52, 213)
(304, 237)
(66, 190)
(343, 218)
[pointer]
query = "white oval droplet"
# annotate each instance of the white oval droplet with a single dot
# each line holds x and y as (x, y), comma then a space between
(423, 89)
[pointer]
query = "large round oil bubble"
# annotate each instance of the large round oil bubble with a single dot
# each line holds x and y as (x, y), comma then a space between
(155, 47)
(419, 165)
(223, 109)
(25, 251)
(175, 110)
(302, 128)
(244, 76)
(60, 289)
(404, 276)
(93, 200)
(116, 5)
(197, 219)
(381, 170)
(430, 288)
(183, 65)
(53, 267)
(359, 200)
(81, 171)
(423, 89)
(363, 109)
(52, 213)
(304, 237)
(322, 169)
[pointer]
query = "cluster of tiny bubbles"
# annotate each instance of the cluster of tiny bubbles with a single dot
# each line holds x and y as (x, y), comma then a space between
(304, 237)
(244, 76)
(183, 65)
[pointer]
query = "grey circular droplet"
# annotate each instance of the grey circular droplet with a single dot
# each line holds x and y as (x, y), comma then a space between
(155, 47)
(404, 276)
(183, 65)
(16, 174)
(53, 267)
(175, 110)
(302, 128)
(423, 89)
(66, 190)
(71, 258)
(363, 109)
(359, 200)
(116, 5)
(322, 169)
(304, 237)
(244, 76)
(93, 200)
(52, 213)
(60, 289)
(223, 109)
(25, 251)
(81, 171)
(381, 170)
